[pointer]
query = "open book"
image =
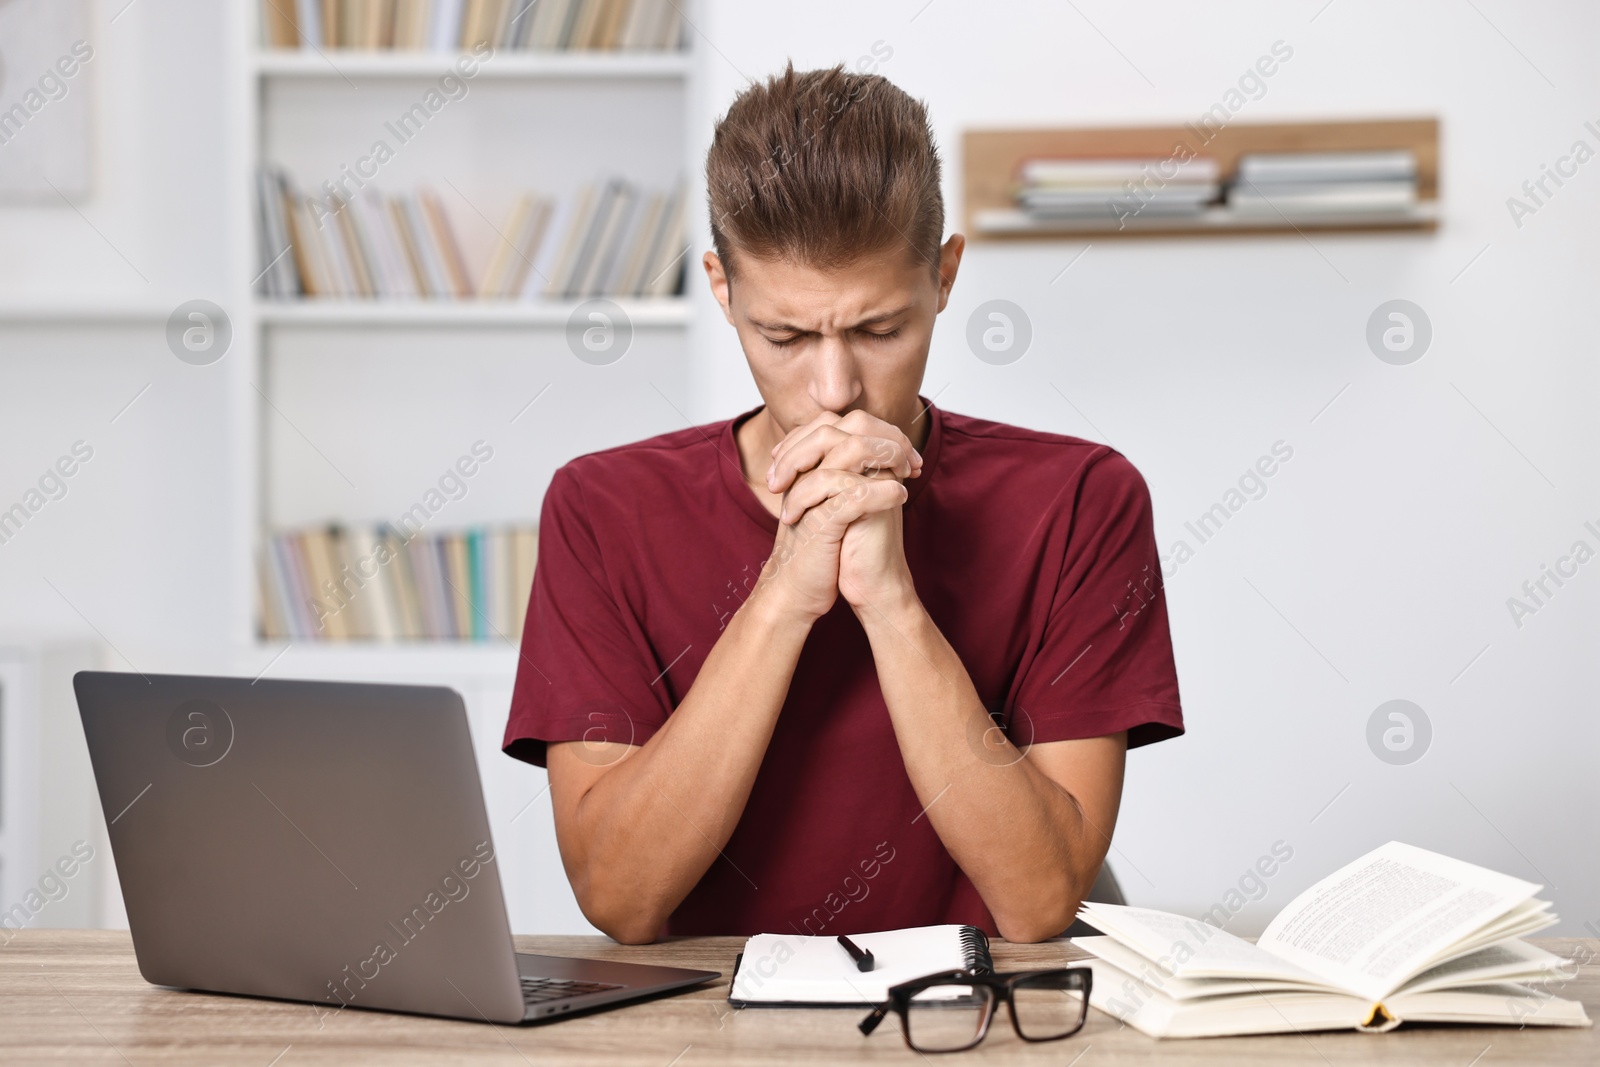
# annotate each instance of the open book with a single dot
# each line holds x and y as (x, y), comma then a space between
(1400, 934)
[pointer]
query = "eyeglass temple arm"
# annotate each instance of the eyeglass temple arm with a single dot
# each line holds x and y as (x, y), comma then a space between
(870, 1023)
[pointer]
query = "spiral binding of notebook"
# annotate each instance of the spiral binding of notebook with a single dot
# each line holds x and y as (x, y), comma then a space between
(975, 946)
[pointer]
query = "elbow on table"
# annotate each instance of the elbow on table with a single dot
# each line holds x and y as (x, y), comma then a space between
(630, 933)
(1025, 930)
(633, 928)
(1041, 918)
(623, 921)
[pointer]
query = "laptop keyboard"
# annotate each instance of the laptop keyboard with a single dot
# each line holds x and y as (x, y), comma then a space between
(539, 990)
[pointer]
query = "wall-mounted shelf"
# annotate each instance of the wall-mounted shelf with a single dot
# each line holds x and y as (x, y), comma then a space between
(660, 312)
(990, 159)
(85, 310)
(330, 63)
(1213, 221)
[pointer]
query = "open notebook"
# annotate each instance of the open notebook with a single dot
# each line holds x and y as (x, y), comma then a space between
(794, 970)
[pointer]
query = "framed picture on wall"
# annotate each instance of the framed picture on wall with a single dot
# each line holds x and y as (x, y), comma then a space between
(46, 72)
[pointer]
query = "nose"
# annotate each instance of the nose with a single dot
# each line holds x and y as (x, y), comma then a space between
(835, 385)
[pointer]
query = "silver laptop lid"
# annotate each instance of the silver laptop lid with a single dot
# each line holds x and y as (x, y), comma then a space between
(319, 841)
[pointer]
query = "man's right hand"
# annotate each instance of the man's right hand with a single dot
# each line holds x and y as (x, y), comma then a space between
(802, 574)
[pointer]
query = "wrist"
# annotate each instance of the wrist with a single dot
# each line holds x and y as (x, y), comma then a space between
(771, 610)
(898, 609)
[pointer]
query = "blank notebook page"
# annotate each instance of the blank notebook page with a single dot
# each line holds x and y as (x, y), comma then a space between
(792, 968)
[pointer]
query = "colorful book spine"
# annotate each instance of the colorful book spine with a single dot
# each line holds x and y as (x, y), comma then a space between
(606, 238)
(455, 25)
(371, 582)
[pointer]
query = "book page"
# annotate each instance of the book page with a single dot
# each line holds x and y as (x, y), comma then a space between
(1139, 974)
(1188, 948)
(1375, 923)
(1510, 961)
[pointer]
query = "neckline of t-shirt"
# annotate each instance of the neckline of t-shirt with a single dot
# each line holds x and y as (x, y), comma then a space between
(745, 495)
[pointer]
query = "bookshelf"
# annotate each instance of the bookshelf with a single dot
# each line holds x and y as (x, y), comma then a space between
(372, 386)
(990, 159)
(670, 312)
(345, 63)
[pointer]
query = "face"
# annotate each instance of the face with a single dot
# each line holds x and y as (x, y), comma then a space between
(853, 338)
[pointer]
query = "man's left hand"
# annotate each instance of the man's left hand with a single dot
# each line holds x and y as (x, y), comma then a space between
(872, 562)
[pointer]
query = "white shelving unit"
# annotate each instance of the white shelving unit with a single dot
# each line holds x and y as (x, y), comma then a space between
(330, 395)
(588, 113)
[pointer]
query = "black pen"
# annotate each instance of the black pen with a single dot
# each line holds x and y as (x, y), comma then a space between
(863, 959)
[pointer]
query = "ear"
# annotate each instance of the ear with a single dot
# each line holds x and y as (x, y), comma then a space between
(949, 263)
(720, 287)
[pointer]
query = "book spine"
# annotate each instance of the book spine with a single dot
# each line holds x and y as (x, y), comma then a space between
(475, 581)
(445, 240)
(282, 25)
(309, 15)
(527, 558)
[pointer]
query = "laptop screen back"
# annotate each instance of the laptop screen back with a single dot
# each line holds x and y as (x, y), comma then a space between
(319, 841)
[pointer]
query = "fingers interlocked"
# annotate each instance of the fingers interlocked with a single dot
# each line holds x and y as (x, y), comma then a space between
(856, 442)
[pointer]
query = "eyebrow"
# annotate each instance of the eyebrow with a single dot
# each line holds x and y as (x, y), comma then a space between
(868, 321)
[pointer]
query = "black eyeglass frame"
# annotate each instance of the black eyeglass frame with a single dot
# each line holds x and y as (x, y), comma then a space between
(1002, 987)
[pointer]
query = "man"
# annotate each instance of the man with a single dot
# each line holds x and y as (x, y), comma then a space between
(848, 661)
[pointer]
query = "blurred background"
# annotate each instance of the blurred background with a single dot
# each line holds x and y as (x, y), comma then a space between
(239, 340)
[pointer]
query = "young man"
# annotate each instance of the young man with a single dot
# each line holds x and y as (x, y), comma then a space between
(846, 662)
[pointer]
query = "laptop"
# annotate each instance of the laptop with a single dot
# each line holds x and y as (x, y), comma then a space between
(323, 842)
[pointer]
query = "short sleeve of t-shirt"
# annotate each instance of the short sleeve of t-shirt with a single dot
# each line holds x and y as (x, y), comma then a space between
(582, 672)
(1104, 662)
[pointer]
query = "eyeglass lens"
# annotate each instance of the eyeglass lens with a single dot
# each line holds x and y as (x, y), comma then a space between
(1048, 1006)
(945, 1018)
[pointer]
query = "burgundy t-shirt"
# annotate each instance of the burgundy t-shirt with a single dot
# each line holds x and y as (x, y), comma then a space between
(1033, 552)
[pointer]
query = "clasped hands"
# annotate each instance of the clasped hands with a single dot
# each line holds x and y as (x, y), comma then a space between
(842, 479)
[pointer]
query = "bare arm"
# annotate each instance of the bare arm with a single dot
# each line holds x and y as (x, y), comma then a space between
(638, 826)
(1030, 829)
(1057, 802)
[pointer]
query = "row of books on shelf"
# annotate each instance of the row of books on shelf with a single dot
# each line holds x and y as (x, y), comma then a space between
(1293, 185)
(609, 238)
(1325, 183)
(383, 583)
(444, 25)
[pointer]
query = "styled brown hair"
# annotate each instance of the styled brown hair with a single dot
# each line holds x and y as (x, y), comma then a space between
(822, 167)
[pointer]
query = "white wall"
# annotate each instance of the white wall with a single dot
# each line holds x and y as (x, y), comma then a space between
(1378, 564)
(1390, 542)
(138, 545)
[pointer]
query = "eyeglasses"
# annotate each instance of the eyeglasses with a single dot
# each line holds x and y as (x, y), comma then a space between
(951, 1011)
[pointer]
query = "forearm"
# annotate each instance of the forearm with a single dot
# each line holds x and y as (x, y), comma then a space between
(647, 829)
(973, 781)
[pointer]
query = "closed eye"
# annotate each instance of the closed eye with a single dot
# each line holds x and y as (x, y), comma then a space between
(785, 343)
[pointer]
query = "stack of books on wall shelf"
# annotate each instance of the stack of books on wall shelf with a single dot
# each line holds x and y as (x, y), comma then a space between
(609, 238)
(383, 583)
(1112, 188)
(1092, 193)
(447, 25)
(1324, 184)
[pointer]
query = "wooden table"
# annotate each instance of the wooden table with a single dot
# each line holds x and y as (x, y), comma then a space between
(75, 996)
